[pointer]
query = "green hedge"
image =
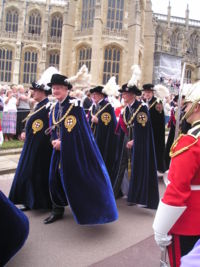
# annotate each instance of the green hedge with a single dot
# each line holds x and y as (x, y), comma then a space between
(12, 144)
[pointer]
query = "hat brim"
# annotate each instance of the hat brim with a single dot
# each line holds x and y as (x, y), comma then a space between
(135, 92)
(68, 85)
(148, 90)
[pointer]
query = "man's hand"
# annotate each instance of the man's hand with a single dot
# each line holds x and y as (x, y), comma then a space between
(23, 136)
(56, 144)
(162, 240)
(129, 144)
(94, 119)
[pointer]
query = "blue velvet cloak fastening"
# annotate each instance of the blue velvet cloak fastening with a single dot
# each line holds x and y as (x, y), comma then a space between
(14, 229)
(105, 136)
(143, 186)
(30, 186)
(78, 175)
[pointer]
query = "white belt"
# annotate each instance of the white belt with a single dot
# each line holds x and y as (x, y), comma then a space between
(167, 182)
(195, 187)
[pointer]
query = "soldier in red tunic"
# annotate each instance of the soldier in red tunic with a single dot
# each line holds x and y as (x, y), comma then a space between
(177, 221)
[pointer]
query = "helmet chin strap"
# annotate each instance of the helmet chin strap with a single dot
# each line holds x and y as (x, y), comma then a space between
(190, 111)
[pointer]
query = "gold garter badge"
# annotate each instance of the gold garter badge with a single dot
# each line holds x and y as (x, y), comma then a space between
(142, 118)
(70, 122)
(37, 125)
(106, 118)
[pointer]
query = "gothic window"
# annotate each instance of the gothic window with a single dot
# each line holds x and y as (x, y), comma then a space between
(112, 56)
(56, 26)
(54, 58)
(158, 39)
(88, 12)
(34, 24)
(6, 56)
(194, 42)
(12, 21)
(176, 40)
(30, 66)
(84, 57)
(115, 14)
(174, 44)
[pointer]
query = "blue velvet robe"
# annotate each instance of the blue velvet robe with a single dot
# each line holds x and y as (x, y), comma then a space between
(158, 126)
(30, 186)
(143, 185)
(78, 175)
(14, 229)
(105, 136)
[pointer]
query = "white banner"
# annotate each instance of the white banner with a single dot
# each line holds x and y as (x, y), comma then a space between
(167, 67)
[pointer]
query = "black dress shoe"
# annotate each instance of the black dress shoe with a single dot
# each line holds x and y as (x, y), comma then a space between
(52, 218)
(24, 208)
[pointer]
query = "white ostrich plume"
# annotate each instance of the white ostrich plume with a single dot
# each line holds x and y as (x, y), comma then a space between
(82, 79)
(136, 75)
(161, 91)
(187, 87)
(111, 88)
(193, 93)
(46, 76)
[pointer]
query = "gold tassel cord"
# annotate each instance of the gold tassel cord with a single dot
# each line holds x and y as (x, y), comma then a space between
(129, 168)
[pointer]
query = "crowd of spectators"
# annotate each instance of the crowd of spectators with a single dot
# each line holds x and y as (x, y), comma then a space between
(15, 104)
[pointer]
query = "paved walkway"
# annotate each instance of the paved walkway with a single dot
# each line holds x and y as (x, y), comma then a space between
(8, 161)
(126, 243)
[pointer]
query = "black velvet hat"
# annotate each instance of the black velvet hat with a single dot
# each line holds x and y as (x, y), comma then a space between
(41, 87)
(59, 80)
(148, 87)
(131, 89)
(97, 89)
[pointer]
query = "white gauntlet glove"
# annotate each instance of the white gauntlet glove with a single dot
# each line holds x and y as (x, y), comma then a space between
(166, 217)
(162, 240)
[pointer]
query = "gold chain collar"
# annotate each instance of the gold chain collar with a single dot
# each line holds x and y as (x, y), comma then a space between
(33, 113)
(128, 123)
(63, 117)
(98, 112)
(153, 104)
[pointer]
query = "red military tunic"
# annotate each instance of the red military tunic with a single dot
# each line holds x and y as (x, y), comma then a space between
(184, 177)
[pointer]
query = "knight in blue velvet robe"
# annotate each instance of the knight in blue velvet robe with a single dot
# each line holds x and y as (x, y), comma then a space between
(78, 176)
(104, 128)
(14, 229)
(137, 173)
(30, 186)
(157, 116)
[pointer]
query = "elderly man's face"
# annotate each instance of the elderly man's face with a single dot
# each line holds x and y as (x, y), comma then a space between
(96, 97)
(60, 92)
(128, 97)
(148, 94)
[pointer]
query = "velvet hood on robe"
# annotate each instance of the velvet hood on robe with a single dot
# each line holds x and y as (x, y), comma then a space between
(83, 182)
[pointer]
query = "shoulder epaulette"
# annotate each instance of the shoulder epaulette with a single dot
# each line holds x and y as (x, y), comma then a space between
(181, 144)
